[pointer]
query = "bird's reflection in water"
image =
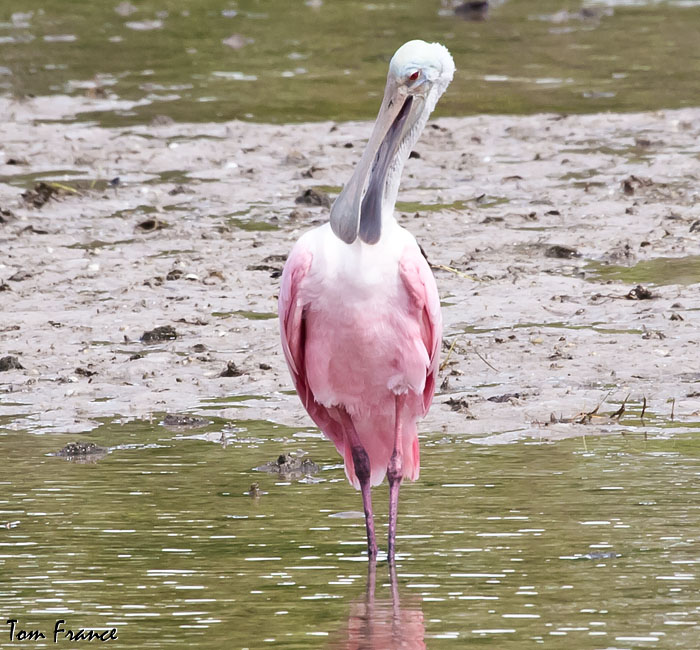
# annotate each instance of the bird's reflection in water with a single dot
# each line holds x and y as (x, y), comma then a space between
(382, 623)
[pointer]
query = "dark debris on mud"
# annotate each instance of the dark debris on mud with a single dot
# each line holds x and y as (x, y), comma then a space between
(158, 334)
(82, 452)
(313, 197)
(20, 276)
(151, 225)
(177, 421)
(10, 363)
(460, 405)
(633, 183)
(231, 370)
(561, 252)
(593, 417)
(41, 194)
(272, 263)
(505, 398)
(290, 466)
(639, 293)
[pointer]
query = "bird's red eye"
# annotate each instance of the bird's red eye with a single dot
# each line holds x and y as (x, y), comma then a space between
(414, 76)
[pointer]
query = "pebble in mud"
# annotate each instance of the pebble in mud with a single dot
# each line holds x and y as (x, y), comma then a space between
(175, 274)
(20, 276)
(313, 197)
(151, 225)
(633, 183)
(10, 363)
(85, 372)
(231, 370)
(40, 195)
(561, 252)
(639, 293)
(162, 333)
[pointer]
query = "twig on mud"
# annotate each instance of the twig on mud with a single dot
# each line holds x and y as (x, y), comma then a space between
(603, 400)
(585, 418)
(443, 365)
(484, 360)
(618, 414)
(450, 269)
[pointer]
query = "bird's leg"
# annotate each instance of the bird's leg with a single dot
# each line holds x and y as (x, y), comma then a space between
(394, 474)
(371, 582)
(396, 605)
(360, 460)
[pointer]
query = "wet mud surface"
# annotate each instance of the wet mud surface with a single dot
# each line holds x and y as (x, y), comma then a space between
(140, 267)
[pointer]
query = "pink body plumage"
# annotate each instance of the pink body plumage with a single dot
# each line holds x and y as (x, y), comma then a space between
(359, 347)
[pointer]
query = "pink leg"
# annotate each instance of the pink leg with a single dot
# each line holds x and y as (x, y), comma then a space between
(362, 470)
(394, 474)
(396, 605)
(360, 460)
(371, 582)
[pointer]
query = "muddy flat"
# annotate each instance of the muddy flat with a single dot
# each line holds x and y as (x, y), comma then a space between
(140, 266)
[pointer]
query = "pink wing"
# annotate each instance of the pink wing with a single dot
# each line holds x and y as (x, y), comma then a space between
(293, 333)
(420, 284)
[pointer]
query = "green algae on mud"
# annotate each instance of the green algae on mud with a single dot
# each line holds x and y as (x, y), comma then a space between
(252, 225)
(250, 315)
(659, 271)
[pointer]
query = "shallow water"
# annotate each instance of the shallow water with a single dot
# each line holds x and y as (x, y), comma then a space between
(299, 61)
(591, 543)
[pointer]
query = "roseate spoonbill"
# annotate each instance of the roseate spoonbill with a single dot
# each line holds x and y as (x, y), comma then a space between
(358, 305)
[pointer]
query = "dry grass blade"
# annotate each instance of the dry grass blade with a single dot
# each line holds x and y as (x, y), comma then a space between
(484, 360)
(443, 365)
(618, 414)
(62, 187)
(450, 269)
